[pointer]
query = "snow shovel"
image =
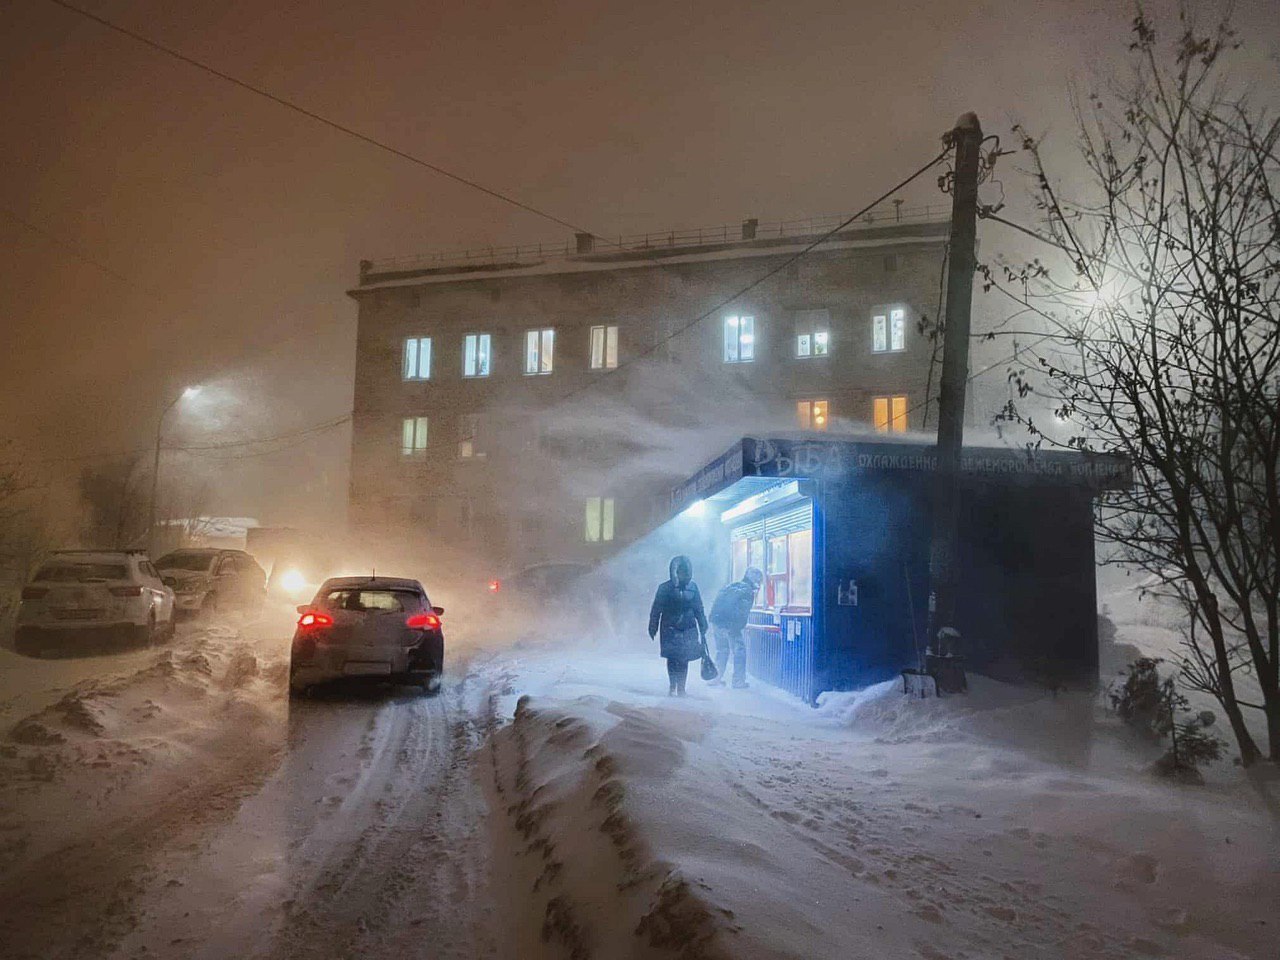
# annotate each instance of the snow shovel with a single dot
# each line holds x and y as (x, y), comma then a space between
(917, 682)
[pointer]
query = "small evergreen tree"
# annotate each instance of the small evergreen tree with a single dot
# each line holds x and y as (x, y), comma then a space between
(1140, 699)
(1152, 705)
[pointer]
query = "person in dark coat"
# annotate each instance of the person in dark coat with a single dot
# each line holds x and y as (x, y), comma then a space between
(676, 618)
(729, 616)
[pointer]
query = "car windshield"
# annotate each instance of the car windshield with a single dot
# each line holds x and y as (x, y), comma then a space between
(68, 571)
(370, 601)
(198, 562)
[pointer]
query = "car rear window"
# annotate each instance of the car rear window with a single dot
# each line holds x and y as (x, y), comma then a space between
(371, 601)
(72, 572)
(186, 561)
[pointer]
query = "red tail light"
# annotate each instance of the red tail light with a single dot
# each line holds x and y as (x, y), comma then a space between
(134, 591)
(34, 593)
(313, 619)
(495, 586)
(423, 621)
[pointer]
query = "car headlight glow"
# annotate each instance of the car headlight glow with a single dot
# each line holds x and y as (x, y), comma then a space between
(292, 581)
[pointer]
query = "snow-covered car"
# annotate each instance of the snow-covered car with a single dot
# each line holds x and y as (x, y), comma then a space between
(368, 629)
(208, 579)
(79, 595)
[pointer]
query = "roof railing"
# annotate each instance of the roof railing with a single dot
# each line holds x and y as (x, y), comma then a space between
(580, 244)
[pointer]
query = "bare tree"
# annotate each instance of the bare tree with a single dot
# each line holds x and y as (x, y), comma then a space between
(1164, 345)
(114, 502)
(21, 530)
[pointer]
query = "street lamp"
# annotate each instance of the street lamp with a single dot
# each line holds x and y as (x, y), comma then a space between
(186, 394)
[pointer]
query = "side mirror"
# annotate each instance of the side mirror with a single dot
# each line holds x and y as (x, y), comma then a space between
(169, 581)
(438, 611)
(303, 607)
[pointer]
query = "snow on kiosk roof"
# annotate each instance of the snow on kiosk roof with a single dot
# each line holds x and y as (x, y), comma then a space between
(841, 529)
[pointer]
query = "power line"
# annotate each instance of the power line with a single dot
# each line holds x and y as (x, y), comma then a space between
(319, 118)
(74, 250)
(66, 245)
(138, 451)
(756, 282)
(288, 435)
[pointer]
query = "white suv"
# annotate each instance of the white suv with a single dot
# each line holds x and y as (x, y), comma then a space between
(114, 594)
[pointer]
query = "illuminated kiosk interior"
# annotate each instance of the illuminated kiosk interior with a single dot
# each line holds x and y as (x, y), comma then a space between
(841, 530)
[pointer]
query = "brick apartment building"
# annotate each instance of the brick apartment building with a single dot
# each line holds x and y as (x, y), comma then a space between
(535, 404)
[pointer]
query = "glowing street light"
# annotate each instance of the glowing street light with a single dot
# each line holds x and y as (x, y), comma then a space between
(186, 394)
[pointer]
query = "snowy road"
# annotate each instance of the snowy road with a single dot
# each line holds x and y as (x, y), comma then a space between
(348, 825)
(364, 841)
(553, 804)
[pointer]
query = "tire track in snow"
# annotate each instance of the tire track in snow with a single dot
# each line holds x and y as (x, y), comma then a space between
(405, 873)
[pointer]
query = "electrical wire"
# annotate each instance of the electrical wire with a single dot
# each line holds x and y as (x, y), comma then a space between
(329, 424)
(304, 432)
(662, 341)
(317, 117)
(289, 435)
(937, 319)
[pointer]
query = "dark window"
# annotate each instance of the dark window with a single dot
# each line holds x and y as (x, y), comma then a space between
(197, 562)
(371, 601)
(65, 572)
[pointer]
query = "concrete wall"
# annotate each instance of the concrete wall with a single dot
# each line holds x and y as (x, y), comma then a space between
(553, 440)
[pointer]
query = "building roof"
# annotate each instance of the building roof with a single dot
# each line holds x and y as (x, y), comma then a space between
(812, 458)
(646, 251)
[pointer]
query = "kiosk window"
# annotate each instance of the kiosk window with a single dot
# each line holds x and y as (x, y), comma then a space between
(800, 568)
(788, 571)
(777, 594)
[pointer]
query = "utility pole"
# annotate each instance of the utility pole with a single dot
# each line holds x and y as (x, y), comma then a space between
(186, 394)
(943, 662)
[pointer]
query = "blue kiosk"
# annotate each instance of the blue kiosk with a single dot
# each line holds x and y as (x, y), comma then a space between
(841, 529)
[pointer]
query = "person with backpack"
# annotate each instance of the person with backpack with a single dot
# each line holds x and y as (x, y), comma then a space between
(729, 616)
(677, 619)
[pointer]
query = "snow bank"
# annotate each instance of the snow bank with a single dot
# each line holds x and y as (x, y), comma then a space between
(105, 740)
(1006, 823)
(587, 882)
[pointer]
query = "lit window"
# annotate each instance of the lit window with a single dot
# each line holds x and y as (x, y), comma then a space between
(739, 339)
(604, 348)
(787, 562)
(812, 414)
(813, 336)
(475, 355)
(889, 331)
(599, 525)
(469, 446)
(413, 436)
(417, 358)
(539, 351)
(890, 414)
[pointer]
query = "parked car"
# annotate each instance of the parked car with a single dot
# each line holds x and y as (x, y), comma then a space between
(81, 595)
(208, 579)
(554, 600)
(368, 629)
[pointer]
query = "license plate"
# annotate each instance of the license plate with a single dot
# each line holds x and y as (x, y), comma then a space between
(365, 668)
(78, 614)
